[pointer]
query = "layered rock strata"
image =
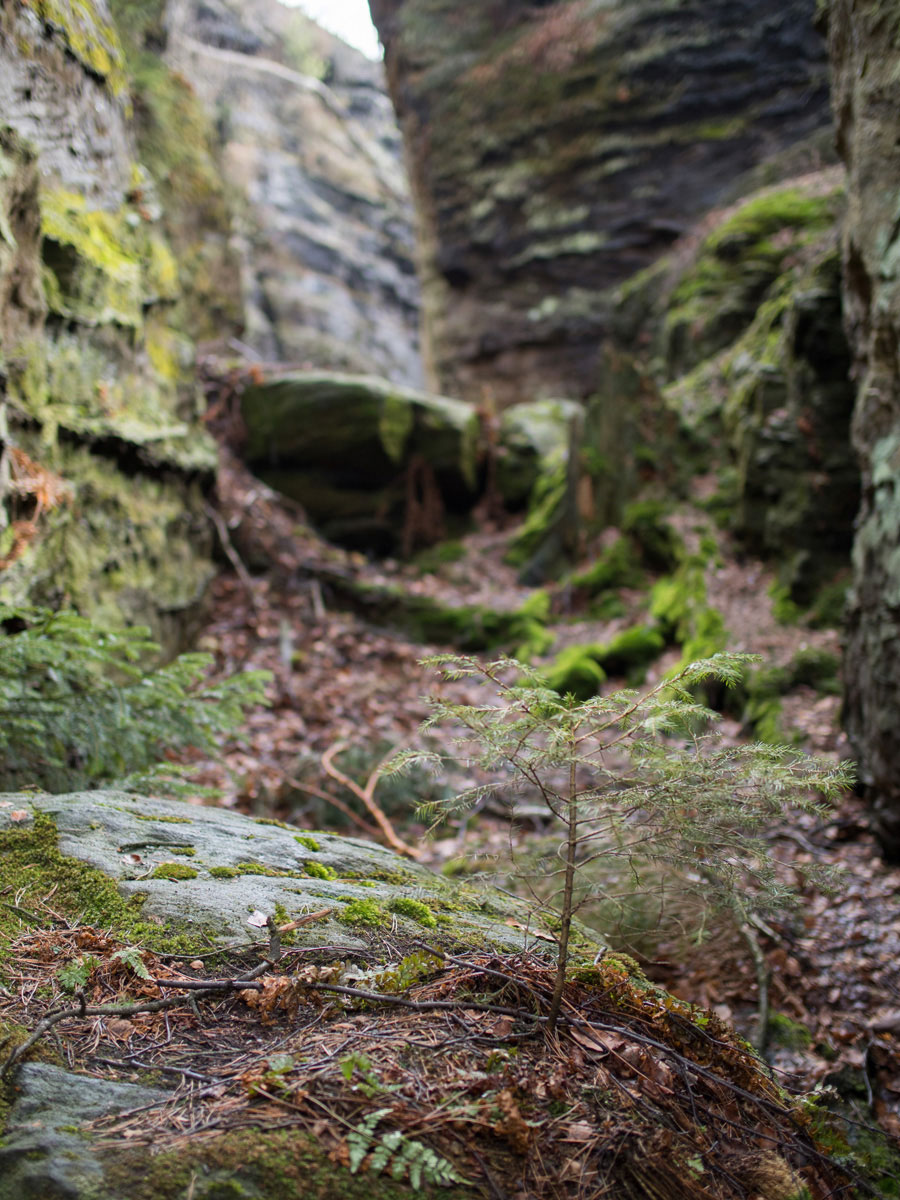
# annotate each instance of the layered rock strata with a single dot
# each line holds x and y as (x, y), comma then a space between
(557, 149)
(311, 146)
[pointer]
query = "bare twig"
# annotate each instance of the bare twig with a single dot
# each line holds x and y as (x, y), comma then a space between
(367, 795)
(312, 790)
(232, 555)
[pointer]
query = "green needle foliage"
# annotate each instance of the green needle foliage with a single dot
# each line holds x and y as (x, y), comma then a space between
(80, 706)
(635, 778)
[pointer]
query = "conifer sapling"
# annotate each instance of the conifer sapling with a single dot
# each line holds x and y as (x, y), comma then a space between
(639, 779)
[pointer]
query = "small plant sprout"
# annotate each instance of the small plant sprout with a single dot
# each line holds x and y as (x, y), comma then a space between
(638, 778)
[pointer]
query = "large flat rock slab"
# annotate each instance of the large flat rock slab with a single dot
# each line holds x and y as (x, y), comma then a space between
(208, 871)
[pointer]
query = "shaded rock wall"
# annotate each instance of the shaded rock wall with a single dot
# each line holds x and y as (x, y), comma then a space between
(103, 457)
(745, 339)
(864, 36)
(310, 144)
(557, 149)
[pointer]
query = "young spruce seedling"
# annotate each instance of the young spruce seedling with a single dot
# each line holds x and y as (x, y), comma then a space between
(639, 778)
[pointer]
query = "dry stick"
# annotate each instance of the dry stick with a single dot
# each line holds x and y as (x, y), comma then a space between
(338, 804)
(366, 795)
(232, 555)
(150, 1006)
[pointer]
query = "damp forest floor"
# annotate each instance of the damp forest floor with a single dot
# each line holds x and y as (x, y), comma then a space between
(341, 678)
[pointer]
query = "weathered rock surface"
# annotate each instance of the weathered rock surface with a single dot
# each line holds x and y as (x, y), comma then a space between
(103, 456)
(557, 149)
(209, 876)
(47, 1147)
(866, 67)
(748, 350)
(363, 457)
(308, 137)
(204, 871)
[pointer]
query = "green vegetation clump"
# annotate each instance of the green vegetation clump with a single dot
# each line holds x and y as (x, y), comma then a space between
(415, 910)
(617, 567)
(308, 842)
(631, 651)
(576, 672)
(316, 870)
(470, 627)
(364, 912)
(679, 605)
(785, 1031)
(658, 545)
(81, 706)
(785, 610)
(816, 669)
(580, 671)
(685, 805)
(547, 509)
(224, 872)
(174, 871)
(828, 607)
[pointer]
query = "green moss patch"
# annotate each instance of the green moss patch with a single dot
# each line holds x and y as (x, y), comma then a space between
(173, 871)
(32, 865)
(90, 39)
(617, 567)
(316, 870)
(248, 1165)
(576, 672)
(415, 910)
(366, 913)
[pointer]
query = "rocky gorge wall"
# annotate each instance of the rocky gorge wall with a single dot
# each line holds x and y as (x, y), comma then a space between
(173, 176)
(557, 149)
(310, 144)
(863, 37)
(103, 458)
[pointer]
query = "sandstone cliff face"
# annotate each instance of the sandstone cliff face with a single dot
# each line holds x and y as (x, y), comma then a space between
(102, 454)
(310, 143)
(863, 36)
(556, 149)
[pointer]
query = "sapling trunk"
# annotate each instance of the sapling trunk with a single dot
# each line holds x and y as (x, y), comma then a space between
(562, 955)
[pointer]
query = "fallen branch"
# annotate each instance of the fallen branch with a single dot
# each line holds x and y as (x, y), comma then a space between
(232, 555)
(370, 830)
(367, 795)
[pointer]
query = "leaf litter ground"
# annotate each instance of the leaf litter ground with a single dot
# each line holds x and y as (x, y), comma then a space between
(451, 1075)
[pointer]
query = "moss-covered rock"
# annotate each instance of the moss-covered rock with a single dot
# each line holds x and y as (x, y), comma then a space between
(97, 394)
(746, 326)
(114, 868)
(715, 298)
(471, 627)
(373, 464)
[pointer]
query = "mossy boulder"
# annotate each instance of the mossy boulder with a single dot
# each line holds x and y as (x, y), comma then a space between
(532, 437)
(782, 397)
(119, 860)
(540, 443)
(707, 297)
(366, 459)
